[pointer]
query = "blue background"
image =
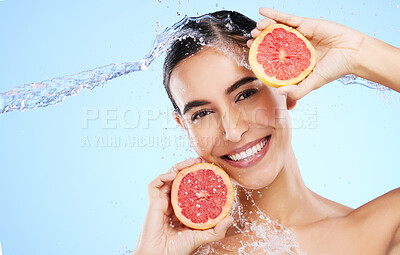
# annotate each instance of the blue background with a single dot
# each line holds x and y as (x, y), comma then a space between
(63, 193)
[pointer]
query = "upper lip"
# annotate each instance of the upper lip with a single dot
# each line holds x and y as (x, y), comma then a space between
(246, 146)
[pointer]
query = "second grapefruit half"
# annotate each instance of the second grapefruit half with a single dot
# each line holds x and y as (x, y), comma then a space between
(281, 56)
(202, 195)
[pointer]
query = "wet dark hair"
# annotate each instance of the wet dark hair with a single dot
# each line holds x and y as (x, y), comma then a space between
(229, 26)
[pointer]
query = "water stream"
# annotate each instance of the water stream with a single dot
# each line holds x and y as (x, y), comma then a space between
(55, 90)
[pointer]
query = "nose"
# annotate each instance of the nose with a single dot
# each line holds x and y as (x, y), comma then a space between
(234, 125)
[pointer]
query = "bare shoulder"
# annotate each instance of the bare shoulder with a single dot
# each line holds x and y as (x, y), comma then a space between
(370, 229)
(379, 221)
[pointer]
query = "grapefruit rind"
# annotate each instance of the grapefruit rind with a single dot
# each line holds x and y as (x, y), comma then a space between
(258, 69)
(229, 196)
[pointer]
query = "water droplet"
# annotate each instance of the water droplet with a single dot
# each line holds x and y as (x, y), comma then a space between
(157, 26)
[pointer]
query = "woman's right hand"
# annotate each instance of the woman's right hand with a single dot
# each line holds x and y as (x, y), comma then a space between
(162, 233)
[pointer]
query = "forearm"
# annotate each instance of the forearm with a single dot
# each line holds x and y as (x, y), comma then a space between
(379, 62)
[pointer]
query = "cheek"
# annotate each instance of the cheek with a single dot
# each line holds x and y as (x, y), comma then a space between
(204, 136)
(267, 116)
(263, 116)
(272, 115)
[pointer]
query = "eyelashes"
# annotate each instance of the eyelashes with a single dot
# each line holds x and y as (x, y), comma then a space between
(245, 94)
(200, 114)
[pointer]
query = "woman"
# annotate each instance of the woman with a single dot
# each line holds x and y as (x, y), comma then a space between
(225, 111)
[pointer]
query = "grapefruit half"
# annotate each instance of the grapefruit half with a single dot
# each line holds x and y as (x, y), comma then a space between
(281, 56)
(202, 195)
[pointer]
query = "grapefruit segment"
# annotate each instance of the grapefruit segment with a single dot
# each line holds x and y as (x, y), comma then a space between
(281, 56)
(202, 195)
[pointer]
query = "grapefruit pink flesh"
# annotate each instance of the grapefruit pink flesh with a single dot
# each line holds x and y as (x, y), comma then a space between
(281, 56)
(201, 195)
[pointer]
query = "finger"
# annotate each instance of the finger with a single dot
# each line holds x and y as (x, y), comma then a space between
(312, 82)
(255, 32)
(215, 234)
(161, 186)
(166, 189)
(181, 165)
(281, 17)
(171, 174)
(249, 42)
(170, 213)
(158, 203)
(158, 191)
(262, 24)
(161, 180)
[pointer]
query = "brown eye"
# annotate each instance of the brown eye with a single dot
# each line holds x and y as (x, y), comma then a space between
(245, 94)
(200, 114)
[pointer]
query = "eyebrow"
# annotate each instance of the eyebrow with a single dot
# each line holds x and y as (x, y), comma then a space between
(193, 104)
(228, 91)
(239, 83)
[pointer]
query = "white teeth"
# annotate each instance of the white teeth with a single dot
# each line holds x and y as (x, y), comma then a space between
(249, 152)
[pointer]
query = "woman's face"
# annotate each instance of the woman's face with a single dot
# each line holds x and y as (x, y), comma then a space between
(231, 118)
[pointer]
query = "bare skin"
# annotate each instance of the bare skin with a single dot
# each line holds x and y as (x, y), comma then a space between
(254, 111)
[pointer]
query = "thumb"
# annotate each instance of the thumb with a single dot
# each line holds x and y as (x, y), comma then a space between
(312, 82)
(280, 17)
(215, 234)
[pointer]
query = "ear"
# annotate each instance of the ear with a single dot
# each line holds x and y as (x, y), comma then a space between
(290, 103)
(178, 118)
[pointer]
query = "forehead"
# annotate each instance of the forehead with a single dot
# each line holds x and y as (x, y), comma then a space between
(204, 75)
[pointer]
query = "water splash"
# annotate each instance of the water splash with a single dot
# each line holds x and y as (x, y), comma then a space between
(55, 90)
(261, 236)
(124, 251)
(354, 79)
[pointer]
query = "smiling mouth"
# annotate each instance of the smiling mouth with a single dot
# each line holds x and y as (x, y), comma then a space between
(249, 152)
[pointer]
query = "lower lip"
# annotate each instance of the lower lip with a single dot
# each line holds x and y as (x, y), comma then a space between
(252, 160)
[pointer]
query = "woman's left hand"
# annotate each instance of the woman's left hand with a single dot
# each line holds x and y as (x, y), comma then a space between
(337, 48)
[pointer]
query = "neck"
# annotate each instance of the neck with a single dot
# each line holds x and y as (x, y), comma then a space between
(288, 199)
